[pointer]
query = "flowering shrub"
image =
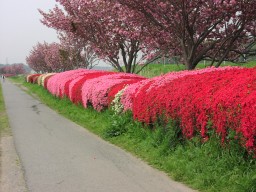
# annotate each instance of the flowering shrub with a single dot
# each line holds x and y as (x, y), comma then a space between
(27, 78)
(42, 77)
(95, 91)
(45, 80)
(75, 87)
(129, 93)
(116, 88)
(56, 84)
(116, 104)
(35, 79)
(32, 78)
(226, 98)
(133, 90)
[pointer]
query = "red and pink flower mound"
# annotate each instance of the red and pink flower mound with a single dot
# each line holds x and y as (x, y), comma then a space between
(95, 91)
(226, 98)
(218, 99)
(75, 88)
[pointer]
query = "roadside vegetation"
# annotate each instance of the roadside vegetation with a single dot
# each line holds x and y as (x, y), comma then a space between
(155, 69)
(3, 116)
(206, 166)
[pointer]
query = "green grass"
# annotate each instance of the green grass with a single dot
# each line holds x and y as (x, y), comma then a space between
(206, 167)
(4, 124)
(153, 70)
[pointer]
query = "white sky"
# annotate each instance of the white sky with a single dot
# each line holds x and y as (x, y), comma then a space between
(21, 29)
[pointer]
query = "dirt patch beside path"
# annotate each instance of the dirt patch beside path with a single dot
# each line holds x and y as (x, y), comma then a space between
(11, 174)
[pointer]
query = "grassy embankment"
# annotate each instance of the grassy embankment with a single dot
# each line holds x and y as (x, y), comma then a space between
(206, 167)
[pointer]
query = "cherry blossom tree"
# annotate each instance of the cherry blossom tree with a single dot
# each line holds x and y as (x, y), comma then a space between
(56, 57)
(15, 69)
(97, 23)
(37, 58)
(49, 57)
(18, 68)
(193, 30)
(79, 54)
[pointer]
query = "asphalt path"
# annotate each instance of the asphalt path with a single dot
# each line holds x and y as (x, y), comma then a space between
(59, 156)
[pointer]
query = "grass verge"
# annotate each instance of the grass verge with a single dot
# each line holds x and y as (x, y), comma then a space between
(203, 166)
(4, 124)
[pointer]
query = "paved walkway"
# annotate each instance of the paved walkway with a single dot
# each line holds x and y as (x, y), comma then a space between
(60, 156)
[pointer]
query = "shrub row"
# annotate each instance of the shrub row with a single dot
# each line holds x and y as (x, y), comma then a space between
(87, 87)
(219, 100)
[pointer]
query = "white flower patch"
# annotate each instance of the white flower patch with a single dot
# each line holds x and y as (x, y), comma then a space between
(116, 104)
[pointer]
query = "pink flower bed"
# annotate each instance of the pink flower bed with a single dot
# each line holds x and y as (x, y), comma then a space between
(56, 84)
(115, 89)
(75, 87)
(46, 79)
(95, 91)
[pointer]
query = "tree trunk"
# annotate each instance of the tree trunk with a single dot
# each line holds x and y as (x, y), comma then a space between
(190, 65)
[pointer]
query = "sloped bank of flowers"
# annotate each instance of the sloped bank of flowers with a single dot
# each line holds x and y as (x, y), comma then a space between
(225, 98)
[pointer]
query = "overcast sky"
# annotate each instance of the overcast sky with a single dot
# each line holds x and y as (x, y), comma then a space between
(21, 29)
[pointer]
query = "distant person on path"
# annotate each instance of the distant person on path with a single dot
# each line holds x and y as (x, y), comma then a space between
(3, 77)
